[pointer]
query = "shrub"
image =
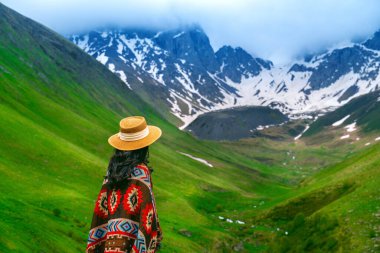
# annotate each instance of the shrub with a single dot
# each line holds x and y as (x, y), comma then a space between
(313, 234)
(57, 212)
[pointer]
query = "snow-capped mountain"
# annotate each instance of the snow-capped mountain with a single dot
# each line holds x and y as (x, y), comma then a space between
(193, 78)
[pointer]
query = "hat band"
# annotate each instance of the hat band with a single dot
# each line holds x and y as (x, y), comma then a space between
(134, 136)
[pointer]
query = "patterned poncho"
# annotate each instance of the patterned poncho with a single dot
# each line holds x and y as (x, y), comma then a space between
(125, 217)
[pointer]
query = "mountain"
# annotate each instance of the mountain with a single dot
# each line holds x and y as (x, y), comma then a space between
(58, 106)
(235, 123)
(356, 122)
(180, 69)
(192, 77)
(362, 112)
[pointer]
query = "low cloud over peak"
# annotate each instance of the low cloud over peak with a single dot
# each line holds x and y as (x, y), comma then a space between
(272, 29)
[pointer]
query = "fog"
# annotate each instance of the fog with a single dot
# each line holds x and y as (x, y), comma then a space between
(281, 30)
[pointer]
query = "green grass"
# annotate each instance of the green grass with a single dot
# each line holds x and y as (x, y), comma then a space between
(364, 110)
(58, 106)
(343, 199)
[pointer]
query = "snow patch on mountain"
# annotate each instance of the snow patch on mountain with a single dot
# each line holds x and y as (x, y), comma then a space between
(340, 122)
(197, 159)
(197, 79)
(304, 131)
(102, 59)
(351, 127)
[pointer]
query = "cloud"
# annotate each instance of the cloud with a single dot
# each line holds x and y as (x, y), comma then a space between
(279, 30)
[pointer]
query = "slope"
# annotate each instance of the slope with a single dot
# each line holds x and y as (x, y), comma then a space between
(176, 67)
(58, 107)
(363, 110)
(234, 123)
(334, 206)
(335, 211)
(192, 79)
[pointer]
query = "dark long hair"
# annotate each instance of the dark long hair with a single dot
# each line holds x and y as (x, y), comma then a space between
(122, 163)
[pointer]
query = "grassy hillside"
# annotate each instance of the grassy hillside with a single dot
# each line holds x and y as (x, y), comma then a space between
(336, 210)
(58, 106)
(333, 206)
(364, 110)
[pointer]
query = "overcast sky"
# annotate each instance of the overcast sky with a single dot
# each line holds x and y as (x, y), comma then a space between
(279, 30)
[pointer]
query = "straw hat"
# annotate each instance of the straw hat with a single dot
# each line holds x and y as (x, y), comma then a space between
(134, 134)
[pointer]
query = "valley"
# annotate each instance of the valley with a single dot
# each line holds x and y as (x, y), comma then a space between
(271, 192)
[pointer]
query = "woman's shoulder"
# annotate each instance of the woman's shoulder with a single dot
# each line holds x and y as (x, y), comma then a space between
(140, 169)
(141, 172)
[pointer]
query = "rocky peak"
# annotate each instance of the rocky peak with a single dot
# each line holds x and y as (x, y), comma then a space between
(374, 42)
(337, 64)
(236, 63)
(190, 44)
(193, 79)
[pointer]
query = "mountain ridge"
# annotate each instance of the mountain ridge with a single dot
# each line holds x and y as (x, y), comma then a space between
(195, 79)
(58, 106)
(181, 60)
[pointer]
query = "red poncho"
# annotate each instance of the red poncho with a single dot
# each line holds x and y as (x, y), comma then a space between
(125, 217)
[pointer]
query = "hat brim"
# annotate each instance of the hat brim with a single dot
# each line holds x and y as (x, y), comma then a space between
(154, 134)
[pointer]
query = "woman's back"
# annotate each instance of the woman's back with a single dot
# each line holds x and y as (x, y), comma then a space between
(125, 217)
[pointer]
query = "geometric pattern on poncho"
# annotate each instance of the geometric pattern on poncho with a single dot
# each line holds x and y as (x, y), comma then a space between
(147, 217)
(125, 218)
(139, 245)
(96, 235)
(153, 243)
(113, 201)
(123, 226)
(101, 208)
(141, 174)
(133, 198)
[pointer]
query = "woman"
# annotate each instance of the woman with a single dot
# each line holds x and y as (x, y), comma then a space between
(125, 217)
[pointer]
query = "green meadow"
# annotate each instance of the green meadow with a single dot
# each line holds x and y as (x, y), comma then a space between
(58, 106)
